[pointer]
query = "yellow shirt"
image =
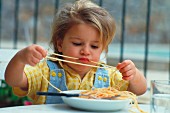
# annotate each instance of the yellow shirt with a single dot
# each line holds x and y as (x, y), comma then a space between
(73, 81)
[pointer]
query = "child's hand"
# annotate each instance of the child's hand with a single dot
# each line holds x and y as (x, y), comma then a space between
(32, 54)
(127, 68)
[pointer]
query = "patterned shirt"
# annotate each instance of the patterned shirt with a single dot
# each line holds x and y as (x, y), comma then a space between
(73, 80)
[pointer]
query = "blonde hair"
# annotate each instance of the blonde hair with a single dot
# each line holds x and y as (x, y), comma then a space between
(83, 11)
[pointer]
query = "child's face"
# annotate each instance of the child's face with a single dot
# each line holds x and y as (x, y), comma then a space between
(81, 41)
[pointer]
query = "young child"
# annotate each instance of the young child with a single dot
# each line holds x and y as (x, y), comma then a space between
(82, 30)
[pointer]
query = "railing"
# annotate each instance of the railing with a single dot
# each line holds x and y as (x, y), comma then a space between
(57, 5)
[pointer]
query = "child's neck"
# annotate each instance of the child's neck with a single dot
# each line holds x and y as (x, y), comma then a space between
(81, 72)
(82, 76)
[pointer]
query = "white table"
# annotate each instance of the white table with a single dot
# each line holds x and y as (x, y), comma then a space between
(57, 108)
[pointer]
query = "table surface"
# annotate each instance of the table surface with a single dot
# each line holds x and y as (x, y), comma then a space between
(57, 108)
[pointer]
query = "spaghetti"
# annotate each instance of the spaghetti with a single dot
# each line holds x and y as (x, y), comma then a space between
(99, 93)
(58, 59)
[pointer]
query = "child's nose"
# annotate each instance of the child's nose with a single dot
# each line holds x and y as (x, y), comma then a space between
(85, 51)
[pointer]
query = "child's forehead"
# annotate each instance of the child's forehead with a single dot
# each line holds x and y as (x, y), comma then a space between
(83, 30)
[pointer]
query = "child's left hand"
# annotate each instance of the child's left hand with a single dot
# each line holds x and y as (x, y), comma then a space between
(127, 68)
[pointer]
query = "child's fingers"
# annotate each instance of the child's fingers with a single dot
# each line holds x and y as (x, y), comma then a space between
(37, 55)
(128, 73)
(127, 77)
(122, 64)
(125, 69)
(31, 60)
(33, 54)
(41, 50)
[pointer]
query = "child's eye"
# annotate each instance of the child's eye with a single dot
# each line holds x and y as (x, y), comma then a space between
(77, 44)
(94, 47)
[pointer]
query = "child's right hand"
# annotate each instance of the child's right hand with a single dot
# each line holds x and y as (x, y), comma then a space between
(32, 54)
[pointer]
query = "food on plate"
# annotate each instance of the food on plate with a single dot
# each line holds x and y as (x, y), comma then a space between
(111, 93)
(106, 93)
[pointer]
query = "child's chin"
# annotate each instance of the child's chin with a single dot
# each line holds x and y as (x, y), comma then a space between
(83, 68)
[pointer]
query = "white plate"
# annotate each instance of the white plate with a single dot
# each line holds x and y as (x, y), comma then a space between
(94, 104)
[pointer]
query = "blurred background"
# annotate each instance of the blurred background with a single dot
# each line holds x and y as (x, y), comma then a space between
(142, 35)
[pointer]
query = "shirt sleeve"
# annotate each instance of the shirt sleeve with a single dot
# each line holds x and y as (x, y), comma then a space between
(34, 76)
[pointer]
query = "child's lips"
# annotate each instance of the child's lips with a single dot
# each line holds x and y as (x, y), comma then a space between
(84, 60)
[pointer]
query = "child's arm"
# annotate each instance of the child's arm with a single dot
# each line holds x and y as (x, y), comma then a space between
(14, 74)
(137, 81)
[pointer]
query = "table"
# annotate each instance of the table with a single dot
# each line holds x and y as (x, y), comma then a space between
(57, 108)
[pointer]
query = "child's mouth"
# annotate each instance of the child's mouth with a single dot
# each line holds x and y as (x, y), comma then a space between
(84, 60)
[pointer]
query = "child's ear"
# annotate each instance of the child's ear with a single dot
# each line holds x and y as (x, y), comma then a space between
(59, 45)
